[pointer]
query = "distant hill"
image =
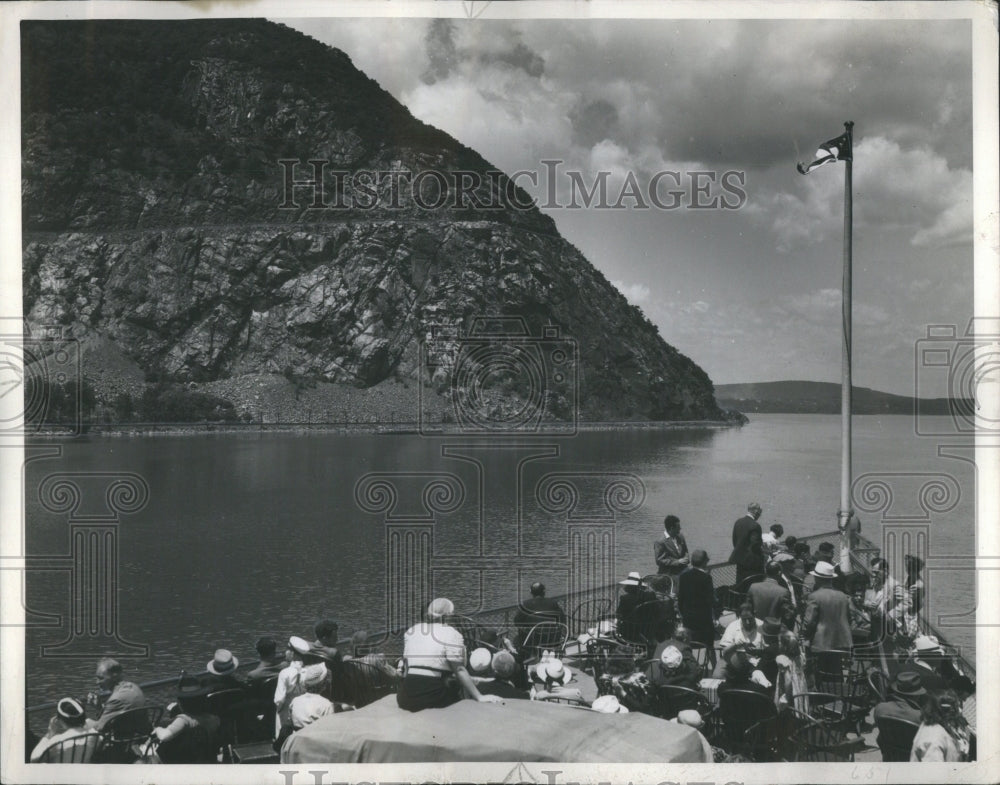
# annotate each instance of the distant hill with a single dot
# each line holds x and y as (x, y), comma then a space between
(799, 397)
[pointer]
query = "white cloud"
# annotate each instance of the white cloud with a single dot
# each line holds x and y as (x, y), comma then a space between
(894, 188)
(635, 293)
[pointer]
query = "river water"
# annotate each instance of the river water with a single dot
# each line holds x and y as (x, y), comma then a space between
(252, 534)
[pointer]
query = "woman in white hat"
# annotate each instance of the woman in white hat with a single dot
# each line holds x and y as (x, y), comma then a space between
(70, 721)
(434, 658)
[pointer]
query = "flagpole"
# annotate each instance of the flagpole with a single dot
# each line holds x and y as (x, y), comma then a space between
(845, 512)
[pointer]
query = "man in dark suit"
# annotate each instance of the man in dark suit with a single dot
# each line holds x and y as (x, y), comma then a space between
(903, 703)
(747, 554)
(671, 550)
(538, 608)
(826, 621)
(769, 597)
(696, 600)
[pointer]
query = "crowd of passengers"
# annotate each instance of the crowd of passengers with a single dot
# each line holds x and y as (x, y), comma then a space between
(794, 606)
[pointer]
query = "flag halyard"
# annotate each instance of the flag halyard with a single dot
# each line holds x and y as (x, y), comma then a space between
(838, 149)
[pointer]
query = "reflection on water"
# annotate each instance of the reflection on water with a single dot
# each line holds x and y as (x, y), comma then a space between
(255, 534)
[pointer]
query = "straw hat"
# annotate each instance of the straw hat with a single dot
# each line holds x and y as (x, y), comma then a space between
(608, 704)
(299, 645)
(633, 579)
(823, 569)
(927, 644)
(223, 663)
(71, 710)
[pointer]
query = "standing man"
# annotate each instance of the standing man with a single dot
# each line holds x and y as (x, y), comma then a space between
(747, 554)
(696, 601)
(826, 622)
(769, 597)
(671, 550)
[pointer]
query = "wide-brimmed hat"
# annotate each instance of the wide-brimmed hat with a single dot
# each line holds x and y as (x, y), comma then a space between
(782, 556)
(504, 664)
(633, 579)
(927, 644)
(551, 672)
(908, 683)
(608, 704)
(70, 709)
(823, 569)
(299, 645)
(223, 663)
(771, 627)
(671, 658)
(479, 660)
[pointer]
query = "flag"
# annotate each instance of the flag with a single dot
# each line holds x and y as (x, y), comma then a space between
(838, 149)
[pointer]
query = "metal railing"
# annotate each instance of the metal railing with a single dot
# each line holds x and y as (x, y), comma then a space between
(162, 691)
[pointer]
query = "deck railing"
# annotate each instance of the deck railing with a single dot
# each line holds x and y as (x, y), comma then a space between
(162, 691)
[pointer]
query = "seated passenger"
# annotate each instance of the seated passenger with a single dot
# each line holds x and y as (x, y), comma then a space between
(739, 674)
(222, 672)
(271, 662)
(191, 736)
(743, 634)
(549, 679)
(672, 668)
(69, 721)
(310, 705)
(634, 594)
(433, 653)
(943, 734)
(503, 666)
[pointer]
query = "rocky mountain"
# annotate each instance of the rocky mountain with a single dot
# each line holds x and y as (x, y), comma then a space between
(163, 229)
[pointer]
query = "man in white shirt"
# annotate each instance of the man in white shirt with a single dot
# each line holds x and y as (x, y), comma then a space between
(744, 633)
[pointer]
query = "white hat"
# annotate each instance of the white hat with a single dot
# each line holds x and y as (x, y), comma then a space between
(299, 645)
(689, 717)
(224, 662)
(927, 644)
(671, 657)
(440, 607)
(480, 660)
(633, 579)
(823, 569)
(312, 675)
(557, 672)
(608, 704)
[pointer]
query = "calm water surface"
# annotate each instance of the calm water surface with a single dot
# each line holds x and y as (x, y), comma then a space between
(246, 535)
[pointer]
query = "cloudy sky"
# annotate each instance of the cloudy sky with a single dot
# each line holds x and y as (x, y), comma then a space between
(751, 294)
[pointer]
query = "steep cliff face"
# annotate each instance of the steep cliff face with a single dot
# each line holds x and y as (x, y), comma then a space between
(157, 217)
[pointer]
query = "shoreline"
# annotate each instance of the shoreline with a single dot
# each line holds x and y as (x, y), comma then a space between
(389, 429)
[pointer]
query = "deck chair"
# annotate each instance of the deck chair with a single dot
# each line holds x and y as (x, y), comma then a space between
(738, 711)
(895, 738)
(365, 683)
(816, 742)
(669, 700)
(544, 636)
(77, 749)
(125, 733)
(590, 613)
